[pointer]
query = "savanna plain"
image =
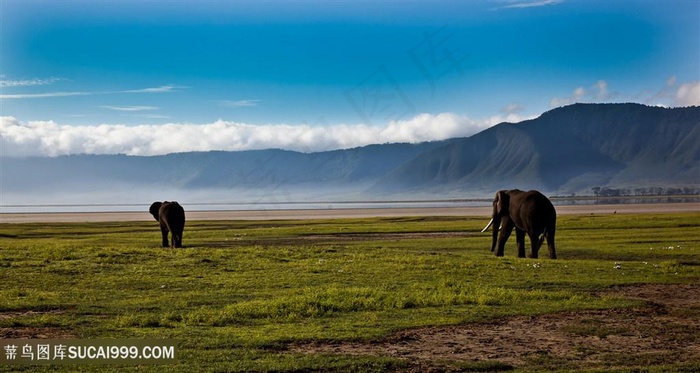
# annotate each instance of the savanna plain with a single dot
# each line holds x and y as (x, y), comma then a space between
(413, 294)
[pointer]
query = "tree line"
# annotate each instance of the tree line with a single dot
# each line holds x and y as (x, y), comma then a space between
(649, 191)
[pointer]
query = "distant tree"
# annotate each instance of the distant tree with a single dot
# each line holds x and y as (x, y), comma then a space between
(690, 191)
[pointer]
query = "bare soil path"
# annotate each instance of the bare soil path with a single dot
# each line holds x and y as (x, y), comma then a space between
(665, 329)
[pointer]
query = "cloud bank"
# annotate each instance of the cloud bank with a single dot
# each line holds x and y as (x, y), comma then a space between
(688, 94)
(48, 138)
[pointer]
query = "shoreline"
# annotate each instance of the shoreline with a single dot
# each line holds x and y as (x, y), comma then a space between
(339, 213)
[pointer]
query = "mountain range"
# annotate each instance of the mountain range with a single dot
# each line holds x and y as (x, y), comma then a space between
(567, 150)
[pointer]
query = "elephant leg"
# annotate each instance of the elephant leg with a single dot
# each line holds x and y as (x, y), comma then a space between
(535, 242)
(506, 230)
(550, 246)
(177, 239)
(164, 233)
(520, 240)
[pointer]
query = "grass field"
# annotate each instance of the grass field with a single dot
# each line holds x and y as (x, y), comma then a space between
(279, 295)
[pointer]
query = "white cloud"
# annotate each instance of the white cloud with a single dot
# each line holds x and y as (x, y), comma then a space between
(510, 118)
(671, 81)
(161, 89)
(602, 93)
(512, 108)
(240, 103)
(48, 138)
(673, 95)
(519, 4)
(44, 95)
(27, 82)
(154, 116)
(688, 94)
(596, 93)
(129, 108)
(563, 101)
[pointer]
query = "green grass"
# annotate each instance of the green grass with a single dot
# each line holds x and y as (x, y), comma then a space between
(241, 290)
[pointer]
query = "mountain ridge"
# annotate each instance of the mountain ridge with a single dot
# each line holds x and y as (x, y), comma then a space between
(608, 142)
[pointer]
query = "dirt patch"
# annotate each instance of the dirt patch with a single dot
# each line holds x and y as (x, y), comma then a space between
(27, 332)
(385, 236)
(35, 333)
(335, 238)
(13, 314)
(665, 330)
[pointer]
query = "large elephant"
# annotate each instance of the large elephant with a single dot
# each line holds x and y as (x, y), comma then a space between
(528, 212)
(171, 217)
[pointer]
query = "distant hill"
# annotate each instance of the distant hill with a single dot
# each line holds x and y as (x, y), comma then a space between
(570, 149)
(566, 150)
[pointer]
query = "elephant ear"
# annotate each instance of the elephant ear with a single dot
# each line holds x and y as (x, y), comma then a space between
(155, 207)
(502, 202)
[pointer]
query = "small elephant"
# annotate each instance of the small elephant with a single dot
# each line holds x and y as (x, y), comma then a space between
(528, 212)
(171, 217)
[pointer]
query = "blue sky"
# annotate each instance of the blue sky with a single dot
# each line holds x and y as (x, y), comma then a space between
(165, 76)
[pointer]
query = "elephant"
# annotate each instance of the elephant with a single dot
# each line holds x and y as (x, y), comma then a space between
(528, 212)
(171, 217)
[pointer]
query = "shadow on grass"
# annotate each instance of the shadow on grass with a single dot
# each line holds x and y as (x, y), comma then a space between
(687, 258)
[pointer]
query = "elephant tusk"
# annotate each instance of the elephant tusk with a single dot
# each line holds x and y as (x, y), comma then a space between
(487, 226)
